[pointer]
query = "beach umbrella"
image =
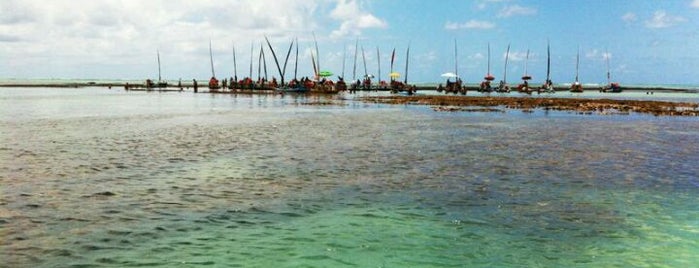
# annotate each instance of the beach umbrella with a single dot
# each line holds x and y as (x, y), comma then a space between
(449, 75)
(325, 74)
(394, 74)
(489, 77)
(369, 76)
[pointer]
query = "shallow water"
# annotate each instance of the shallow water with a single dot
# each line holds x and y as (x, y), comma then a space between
(95, 177)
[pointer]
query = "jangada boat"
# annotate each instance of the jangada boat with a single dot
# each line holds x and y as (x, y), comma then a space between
(485, 85)
(524, 86)
(213, 82)
(548, 84)
(576, 87)
(611, 87)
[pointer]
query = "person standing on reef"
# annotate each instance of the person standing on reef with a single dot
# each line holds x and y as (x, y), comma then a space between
(194, 83)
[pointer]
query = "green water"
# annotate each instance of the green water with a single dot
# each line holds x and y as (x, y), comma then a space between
(97, 178)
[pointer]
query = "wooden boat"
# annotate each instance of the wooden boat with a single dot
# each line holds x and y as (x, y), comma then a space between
(548, 84)
(485, 86)
(213, 82)
(524, 86)
(403, 87)
(455, 86)
(611, 87)
(160, 84)
(502, 86)
(576, 87)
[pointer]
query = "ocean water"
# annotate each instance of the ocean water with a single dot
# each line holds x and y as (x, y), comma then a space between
(93, 177)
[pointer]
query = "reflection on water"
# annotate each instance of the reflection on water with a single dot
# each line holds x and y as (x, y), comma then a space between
(95, 178)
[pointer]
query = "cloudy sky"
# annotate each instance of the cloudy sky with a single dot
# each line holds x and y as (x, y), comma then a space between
(647, 42)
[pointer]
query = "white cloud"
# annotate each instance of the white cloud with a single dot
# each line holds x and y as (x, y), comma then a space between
(518, 55)
(597, 54)
(661, 19)
(695, 4)
(354, 19)
(471, 24)
(71, 35)
(515, 10)
(484, 3)
(606, 55)
(477, 56)
(629, 17)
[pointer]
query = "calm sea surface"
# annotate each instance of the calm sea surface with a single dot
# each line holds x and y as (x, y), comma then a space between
(106, 178)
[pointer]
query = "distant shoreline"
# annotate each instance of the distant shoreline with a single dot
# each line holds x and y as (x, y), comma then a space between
(421, 87)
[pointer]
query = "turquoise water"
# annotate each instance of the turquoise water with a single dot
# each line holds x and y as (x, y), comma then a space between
(105, 178)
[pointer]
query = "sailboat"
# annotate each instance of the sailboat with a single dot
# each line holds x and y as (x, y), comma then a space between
(503, 83)
(576, 87)
(455, 86)
(611, 87)
(548, 84)
(160, 83)
(397, 86)
(213, 82)
(524, 87)
(485, 85)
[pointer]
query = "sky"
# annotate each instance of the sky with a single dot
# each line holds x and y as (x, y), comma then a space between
(645, 42)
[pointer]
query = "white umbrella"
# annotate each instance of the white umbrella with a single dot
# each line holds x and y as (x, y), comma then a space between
(449, 75)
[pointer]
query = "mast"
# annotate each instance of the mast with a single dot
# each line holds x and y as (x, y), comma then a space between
(211, 56)
(296, 65)
(159, 78)
(488, 74)
(407, 59)
(609, 75)
(317, 62)
(577, 64)
(315, 69)
(507, 56)
(287, 60)
(526, 59)
(344, 56)
(251, 53)
(259, 65)
(456, 60)
(393, 57)
(364, 60)
(378, 60)
(264, 60)
(548, 61)
(274, 55)
(354, 69)
(235, 65)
